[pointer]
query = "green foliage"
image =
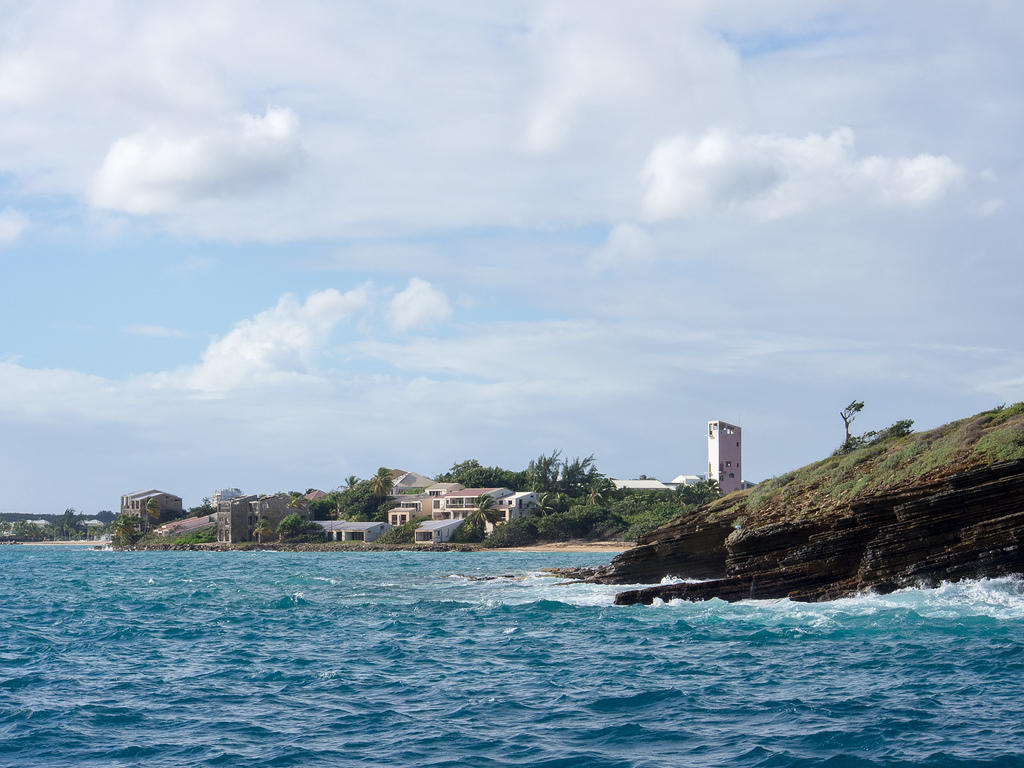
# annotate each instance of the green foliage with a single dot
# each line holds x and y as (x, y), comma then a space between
(358, 503)
(521, 532)
(472, 474)
(292, 527)
(701, 492)
(400, 534)
(484, 512)
(648, 520)
(205, 535)
(382, 483)
(1002, 444)
(579, 522)
(1003, 413)
(125, 530)
(468, 533)
(206, 508)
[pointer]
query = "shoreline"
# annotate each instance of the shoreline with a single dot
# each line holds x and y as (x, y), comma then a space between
(609, 547)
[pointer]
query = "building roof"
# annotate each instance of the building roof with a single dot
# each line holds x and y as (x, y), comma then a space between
(410, 479)
(314, 495)
(434, 525)
(445, 487)
(186, 525)
(640, 485)
(346, 525)
(686, 479)
(150, 492)
(474, 492)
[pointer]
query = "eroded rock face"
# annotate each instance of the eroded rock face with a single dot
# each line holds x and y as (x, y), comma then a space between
(970, 525)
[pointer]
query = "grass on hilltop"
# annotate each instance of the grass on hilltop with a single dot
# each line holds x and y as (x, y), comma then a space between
(887, 463)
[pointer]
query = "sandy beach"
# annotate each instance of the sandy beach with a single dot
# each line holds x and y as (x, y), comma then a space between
(574, 546)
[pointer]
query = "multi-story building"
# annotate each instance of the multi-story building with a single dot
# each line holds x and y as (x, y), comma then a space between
(409, 506)
(237, 518)
(725, 450)
(138, 504)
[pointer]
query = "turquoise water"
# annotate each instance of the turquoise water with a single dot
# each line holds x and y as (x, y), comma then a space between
(397, 659)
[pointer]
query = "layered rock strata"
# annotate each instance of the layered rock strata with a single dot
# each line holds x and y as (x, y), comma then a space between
(968, 525)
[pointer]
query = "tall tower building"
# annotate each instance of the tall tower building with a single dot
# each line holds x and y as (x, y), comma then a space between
(725, 449)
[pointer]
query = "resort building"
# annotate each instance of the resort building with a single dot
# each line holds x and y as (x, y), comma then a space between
(725, 450)
(436, 531)
(457, 504)
(411, 506)
(137, 504)
(344, 530)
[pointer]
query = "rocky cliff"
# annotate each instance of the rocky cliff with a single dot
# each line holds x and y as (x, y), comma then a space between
(916, 509)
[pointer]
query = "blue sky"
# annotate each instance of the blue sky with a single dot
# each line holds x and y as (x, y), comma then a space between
(271, 246)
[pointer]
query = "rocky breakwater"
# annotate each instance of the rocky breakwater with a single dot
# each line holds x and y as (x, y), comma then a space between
(968, 525)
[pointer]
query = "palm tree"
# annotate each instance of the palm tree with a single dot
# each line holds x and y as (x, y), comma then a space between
(598, 490)
(262, 529)
(486, 511)
(383, 482)
(351, 482)
(125, 530)
(153, 510)
(545, 504)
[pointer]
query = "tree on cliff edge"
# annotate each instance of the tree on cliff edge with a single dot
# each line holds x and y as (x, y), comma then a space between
(849, 413)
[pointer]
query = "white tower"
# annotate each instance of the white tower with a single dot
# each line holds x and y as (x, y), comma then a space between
(725, 450)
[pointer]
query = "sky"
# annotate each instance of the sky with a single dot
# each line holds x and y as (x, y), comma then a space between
(272, 245)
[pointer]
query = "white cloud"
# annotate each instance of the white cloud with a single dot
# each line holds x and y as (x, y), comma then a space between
(13, 224)
(156, 172)
(279, 344)
(157, 331)
(771, 176)
(626, 244)
(991, 207)
(418, 307)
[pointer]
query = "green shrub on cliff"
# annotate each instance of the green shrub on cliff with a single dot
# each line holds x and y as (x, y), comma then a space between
(891, 460)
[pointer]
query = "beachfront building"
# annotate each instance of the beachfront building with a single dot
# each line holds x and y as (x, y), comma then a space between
(237, 518)
(517, 505)
(137, 504)
(725, 450)
(436, 531)
(345, 530)
(455, 505)
(409, 506)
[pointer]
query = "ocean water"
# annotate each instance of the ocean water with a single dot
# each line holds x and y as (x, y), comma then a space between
(400, 659)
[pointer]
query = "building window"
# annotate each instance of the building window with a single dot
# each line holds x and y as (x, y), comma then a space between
(732, 475)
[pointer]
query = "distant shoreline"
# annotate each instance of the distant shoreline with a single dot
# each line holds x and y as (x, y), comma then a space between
(560, 546)
(59, 543)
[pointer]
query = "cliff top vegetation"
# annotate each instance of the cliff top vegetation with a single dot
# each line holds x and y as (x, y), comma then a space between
(889, 461)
